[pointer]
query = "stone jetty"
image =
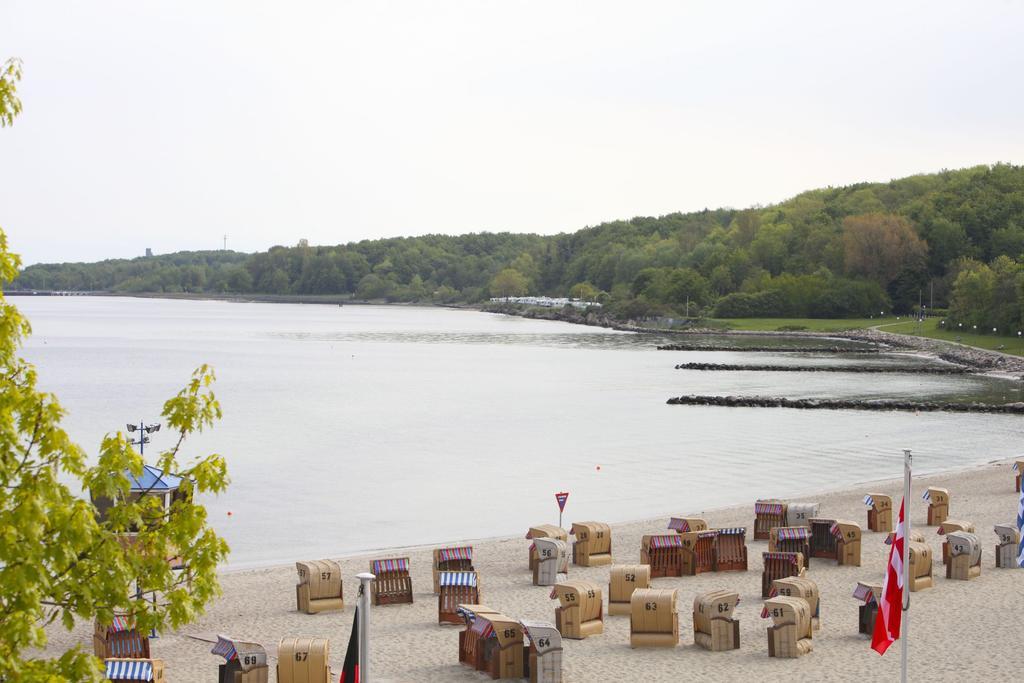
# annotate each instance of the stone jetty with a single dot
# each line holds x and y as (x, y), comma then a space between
(873, 369)
(768, 349)
(847, 404)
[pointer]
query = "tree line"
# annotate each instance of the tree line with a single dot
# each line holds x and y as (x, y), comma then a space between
(954, 239)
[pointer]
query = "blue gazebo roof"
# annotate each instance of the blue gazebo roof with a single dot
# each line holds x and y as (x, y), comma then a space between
(153, 479)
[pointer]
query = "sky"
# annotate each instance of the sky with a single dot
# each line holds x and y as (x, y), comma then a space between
(168, 125)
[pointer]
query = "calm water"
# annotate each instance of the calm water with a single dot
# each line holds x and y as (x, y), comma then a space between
(362, 427)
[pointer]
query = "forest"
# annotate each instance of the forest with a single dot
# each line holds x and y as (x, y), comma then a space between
(951, 241)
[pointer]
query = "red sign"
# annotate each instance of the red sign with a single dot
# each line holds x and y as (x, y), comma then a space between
(561, 498)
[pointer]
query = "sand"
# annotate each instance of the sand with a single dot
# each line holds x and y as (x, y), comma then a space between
(958, 628)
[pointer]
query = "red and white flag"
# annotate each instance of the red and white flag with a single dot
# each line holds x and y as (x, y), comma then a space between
(890, 603)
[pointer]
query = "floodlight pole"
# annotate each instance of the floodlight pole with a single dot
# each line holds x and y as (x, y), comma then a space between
(908, 461)
(364, 625)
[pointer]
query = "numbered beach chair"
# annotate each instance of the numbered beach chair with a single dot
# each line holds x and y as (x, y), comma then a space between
(624, 579)
(593, 546)
(553, 562)
(1007, 548)
(686, 524)
(545, 660)
(790, 539)
(714, 627)
(779, 565)
(119, 639)
(499, 645)
(803, 588)
(915, 536)
(848, 542)
(653, 620)
(731, 549)
(920, 566)
(393, 584)
(867, 593)
(948, 527)
(767, 515)
(801, 514)
(119, 670)
(664, 554)
(790, 632)
(455, 559)
(1018, 472)
(580, 611)
(938, 505)
(699, 552)
(454, 589)
(244, 661)
(964, 556)
(303, 660)
(470, 649)
(879, 512)
(544, 531)
(319, 588)
(823, 541)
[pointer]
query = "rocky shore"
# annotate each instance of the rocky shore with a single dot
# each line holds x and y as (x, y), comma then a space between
(846, 404)
(874, 369)
(769, 349)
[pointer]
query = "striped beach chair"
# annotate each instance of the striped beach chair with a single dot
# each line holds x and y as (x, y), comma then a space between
(779, 565)
(456, 588)
(879, 512)
(699, 552)
(134, 670)
(823, 541)
(791, 539)
(768, 514)
(470, 648)
(731, 549)
(393, 584)
(684, 525)
(456, 559)
(244, 662)
(867, 594)
(119, 640)
(664, 553)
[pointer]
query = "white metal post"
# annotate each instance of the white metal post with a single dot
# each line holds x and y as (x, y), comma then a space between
(908, 461)
(364, 625)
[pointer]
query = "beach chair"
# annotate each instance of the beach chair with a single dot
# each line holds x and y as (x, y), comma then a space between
(698, 552)
(938, 505)
(544, 531)
(915, 535)
(593, 546)
(1018, 472)
(119, 639)
(499, 645)
(920, 566)
(714, 627)
(319, 588)
(879, 512)
(623, 580)
(580, 611)
(949, 526)
(664, 554)
(454, 589)
(653, 620)
(303, 660)
(801, 514)
(768, 514)
(687, 524)
(964, 556)
(790, 539)
(790, 632)
(823, 541)
(553, 563)
(731, 549)
(1008, 546)
(121, 670)
(244, 661)
(779, 565)
(470, 649)
(803, 588)
(455, 559)
(868, 594)
(848, 542)
(545, 651)
(393, 584)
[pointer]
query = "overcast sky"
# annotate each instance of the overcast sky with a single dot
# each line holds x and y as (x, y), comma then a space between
(168, 124)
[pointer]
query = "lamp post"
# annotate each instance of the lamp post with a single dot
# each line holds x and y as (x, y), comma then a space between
(144, 431)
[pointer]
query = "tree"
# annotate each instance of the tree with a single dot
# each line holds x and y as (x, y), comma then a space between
(58, 559)
(10, 105)
(881, 246)
(583, 291)
(509, 282)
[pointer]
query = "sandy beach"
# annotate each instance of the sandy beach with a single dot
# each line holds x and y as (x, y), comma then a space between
(957, 627)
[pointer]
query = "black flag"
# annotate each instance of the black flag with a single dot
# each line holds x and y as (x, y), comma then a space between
(350, 672)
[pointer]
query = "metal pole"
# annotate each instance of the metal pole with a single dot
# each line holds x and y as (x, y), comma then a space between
(364, 625)
(142, 437)
(908, 461)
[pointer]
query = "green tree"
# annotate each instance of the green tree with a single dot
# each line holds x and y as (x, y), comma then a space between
(10, 105)
(509, 282)
(583, 291)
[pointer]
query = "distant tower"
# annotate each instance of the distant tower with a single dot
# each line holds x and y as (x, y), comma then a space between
(149, 252)
(225, 242)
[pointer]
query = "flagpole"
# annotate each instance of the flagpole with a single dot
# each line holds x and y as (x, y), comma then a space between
(364, 625)
(908, 461)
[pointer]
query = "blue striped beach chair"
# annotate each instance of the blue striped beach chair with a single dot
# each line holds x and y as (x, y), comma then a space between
(393, 584)
(456, 588)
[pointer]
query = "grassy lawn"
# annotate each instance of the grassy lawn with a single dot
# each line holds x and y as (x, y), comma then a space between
(930, 328)
(809, 324)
